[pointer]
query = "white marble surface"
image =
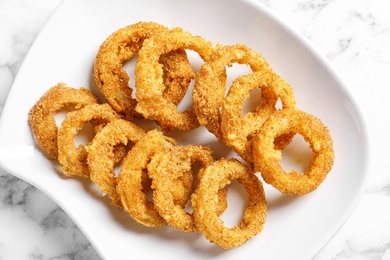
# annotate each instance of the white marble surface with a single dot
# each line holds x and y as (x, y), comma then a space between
(353, 34)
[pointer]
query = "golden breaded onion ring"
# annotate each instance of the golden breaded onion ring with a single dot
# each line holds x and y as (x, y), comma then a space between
(132, 174)
(122, 45)
(267, 158)
(210, 84)
(204, 203)
(237, 130)
(168, 169)
(41, 116)
(101, 157)
(149, 78)
(73, 160)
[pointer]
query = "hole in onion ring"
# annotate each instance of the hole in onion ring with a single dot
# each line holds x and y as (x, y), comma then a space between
(186, 102)
(61, 114)
(279, 104)
(129, 67)
(235, 70)
(146, 187)
(118, 166)
(195, 62)
(252, 102)
(297, 155)
(237, 196)
(195, 170)
(85, 135)
(195, 181)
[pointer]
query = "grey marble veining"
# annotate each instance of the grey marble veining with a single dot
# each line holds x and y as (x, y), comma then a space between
(353, 35)
(32, 225)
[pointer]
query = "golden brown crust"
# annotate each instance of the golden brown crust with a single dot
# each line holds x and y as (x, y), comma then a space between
(112, 80)
(167, 170)
(237, 130)
(267, 158)
(41, 116)
(101, 154)
(73, 160)
(155, 162)
(205, 201)
(129, 181)
(210, 85)
(149, 78)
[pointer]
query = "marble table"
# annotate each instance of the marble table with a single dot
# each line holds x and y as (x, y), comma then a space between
(353, 35)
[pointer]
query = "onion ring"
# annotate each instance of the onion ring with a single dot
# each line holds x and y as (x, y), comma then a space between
(267, 158)
(210, 84)
(73, 160)
(129, 180)
(166, 169)
(204, 202)
(122, 45)
(237, 131)
(149, 80)
(41, 116)
(155, 163)
(101, 157)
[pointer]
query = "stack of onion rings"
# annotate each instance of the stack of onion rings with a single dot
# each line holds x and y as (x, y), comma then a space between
(73, 159)
(205, 203)
(166, 169)
(156, 162)
(210, 85)
(149, 78)
(101, 154)
(130, 179)
(41, 117)
(237, 130)
(122, 45)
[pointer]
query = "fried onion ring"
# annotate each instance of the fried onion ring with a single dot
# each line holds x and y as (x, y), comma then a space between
(237, 131)
(101, 157)
(205, 202)
(158, 179)
(166, 169)
(267, 158)
(112, 80)
(210, 85)
(73, 160)
(149, 78)
(131, 176)
(41, 116)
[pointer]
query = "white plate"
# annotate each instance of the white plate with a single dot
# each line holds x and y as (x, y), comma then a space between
(296, 228)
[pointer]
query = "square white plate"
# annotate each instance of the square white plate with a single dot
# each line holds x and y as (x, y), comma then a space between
(296, 227)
